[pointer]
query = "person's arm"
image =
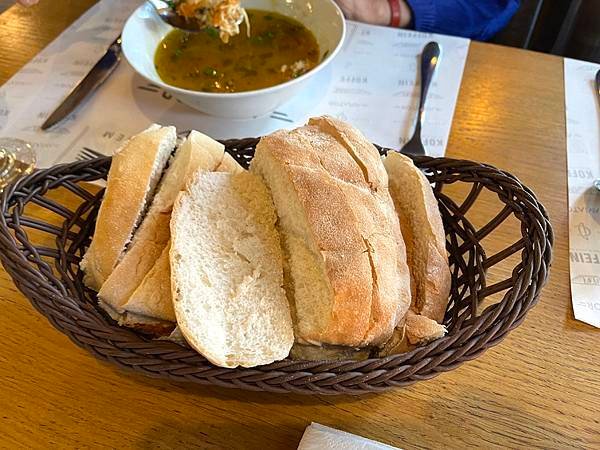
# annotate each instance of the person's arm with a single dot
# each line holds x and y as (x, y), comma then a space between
(479, 19)
(375, 12)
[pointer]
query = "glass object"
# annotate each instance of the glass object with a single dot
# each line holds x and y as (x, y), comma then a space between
(17, 158)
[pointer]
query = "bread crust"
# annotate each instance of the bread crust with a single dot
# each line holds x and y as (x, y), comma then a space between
(341, 185)
(429, 269)
(197, 152)
(148, 325)
(391, 289)
(128, 191)
(152, 298)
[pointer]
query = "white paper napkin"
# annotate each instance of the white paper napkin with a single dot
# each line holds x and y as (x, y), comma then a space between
(372, 84)
(320, 437)
(583, 148)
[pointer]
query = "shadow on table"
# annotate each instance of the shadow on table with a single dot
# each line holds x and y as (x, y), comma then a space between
(572, 324)
(230, 435)
(242, 429)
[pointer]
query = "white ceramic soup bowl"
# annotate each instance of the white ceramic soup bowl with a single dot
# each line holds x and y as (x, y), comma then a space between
(144, 31)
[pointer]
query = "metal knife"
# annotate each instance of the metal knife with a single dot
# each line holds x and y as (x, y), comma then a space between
(597, 182)
(598, 85)
(95, 77)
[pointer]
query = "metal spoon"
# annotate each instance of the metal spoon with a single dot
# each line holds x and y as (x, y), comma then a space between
(429, 62)
(170, 16)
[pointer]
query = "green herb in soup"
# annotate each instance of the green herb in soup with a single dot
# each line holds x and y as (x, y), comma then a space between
(278, 50)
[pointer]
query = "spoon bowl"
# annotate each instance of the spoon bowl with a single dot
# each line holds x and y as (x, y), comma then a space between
(170, 16)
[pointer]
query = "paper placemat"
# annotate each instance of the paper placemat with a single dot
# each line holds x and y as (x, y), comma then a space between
(583, 149)
(372, 84)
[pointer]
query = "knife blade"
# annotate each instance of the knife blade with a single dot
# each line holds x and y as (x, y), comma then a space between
(92, 81)
(598, 85)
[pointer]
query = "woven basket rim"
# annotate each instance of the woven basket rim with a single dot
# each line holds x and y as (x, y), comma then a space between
(324, 377)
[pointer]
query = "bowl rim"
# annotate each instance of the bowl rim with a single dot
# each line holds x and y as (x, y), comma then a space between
(230, 95)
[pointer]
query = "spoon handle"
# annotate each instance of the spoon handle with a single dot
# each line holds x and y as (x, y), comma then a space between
(429, 61)
(598, 84)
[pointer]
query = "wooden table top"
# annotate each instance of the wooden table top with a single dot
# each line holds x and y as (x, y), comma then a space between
(537, 389)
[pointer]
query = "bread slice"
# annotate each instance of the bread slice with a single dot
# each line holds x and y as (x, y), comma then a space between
(229, 165)
(416, 330)
(134, 174)
(197, 152)
(424, 235)
(421, 330)
(226, 271)
(348, 282)
(152, 297)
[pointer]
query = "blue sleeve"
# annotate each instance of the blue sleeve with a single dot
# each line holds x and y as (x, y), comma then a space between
(475, 19)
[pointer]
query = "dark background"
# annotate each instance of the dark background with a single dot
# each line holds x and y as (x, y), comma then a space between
(562, 27)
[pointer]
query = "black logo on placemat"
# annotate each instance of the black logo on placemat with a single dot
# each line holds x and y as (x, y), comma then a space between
(584, 231)
(588, 280)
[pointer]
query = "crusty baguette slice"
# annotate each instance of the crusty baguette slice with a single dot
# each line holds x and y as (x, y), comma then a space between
(391, 288)
(226, 271)
(152, 298)
(349, 283)
(197, 152)
(424, 235)
(134, 174)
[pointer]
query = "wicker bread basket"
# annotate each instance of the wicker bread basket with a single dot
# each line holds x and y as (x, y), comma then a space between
(492, 288)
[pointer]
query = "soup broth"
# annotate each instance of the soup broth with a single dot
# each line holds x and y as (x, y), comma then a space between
(278, 49)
